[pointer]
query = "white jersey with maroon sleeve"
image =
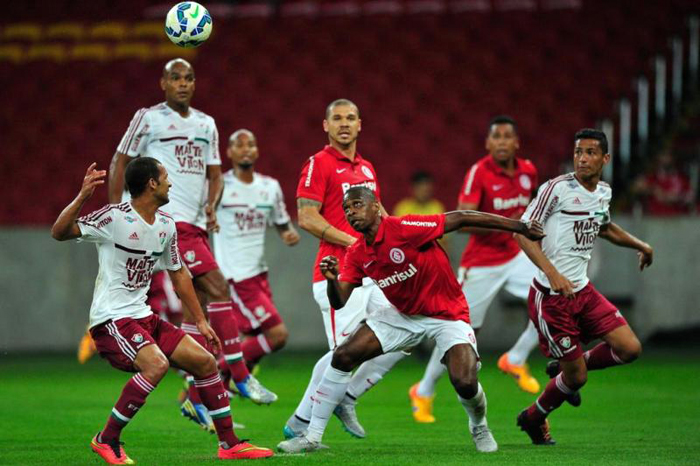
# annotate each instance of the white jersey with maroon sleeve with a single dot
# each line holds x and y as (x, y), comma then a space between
(245, 211)
(185, 146)
(571, 216)
(128, 249)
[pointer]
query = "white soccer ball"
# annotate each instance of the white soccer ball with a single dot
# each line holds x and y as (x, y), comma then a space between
(188, 24)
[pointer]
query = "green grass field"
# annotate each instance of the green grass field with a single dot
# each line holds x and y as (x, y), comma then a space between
(646, 413)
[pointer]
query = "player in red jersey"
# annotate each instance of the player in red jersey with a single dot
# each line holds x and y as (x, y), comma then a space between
(401, 255)
(499, 183)
(131, 238)
(324, 179)
(186, 142)
(566, 309)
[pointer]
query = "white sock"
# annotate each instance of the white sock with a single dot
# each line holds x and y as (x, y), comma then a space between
(475, 408)
(303, 411)
(369, 374)
(526, 343)
(433, 372)
(329, 393)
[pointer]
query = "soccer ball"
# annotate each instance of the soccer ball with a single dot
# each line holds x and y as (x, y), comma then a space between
(188, 24)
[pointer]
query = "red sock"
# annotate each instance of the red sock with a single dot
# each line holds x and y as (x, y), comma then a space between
(224, 324)
(255, 348)
(215, 399)
(600, 357)
(130, 401)
(554, 395)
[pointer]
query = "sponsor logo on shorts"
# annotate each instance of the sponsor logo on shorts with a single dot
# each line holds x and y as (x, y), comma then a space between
(137, 338)
(397, 256)
(565, 342)
(472, 339)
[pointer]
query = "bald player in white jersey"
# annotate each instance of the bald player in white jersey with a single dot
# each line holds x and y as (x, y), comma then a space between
(250, 202)
(186, 142)
(132, 238)
(566, 309)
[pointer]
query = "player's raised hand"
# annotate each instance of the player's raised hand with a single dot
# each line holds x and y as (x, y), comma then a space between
(212, 224)
(92, 179)
(646, 257)
(329, 267)
(290, 237)
(560, 284)
(534, 231)
(208, 333)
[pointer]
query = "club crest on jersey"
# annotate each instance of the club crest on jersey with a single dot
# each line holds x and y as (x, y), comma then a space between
(189, 256)
(137, 338)
(162, 235)
(164, 220)
(368, 173)
(525, 182)
(129, 219)
(565, 342)
(397, 256)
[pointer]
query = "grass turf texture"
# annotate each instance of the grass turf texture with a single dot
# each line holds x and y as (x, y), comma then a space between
(646, 413)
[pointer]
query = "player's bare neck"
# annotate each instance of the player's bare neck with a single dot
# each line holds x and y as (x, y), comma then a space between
(146, 208)
(371, 233)
(508, 166)
(244, 175)
(591, 184)
(348, 151)
(181, 109)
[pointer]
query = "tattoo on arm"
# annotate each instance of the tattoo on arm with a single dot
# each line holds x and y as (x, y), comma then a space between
(304, 202)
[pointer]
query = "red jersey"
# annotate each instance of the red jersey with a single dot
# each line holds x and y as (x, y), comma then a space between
(324, 178)
(410, 267)
(495, 192)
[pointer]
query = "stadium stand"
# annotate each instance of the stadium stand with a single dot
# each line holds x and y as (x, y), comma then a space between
(427, 77)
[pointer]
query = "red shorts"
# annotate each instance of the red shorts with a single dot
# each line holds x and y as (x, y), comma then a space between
(564, 324)
(118, 341)
(162, 298)
(193, 243)
(254, 310)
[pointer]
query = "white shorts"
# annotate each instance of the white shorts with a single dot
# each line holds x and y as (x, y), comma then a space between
(480, 285)
(340, 323)
(398, 332)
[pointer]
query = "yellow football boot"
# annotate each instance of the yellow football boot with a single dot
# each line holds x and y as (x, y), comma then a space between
(86, 348)
(422, 406)
(521, 374)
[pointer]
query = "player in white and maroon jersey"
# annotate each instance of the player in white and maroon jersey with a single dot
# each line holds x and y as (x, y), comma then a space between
(325, 177)
(131, 238)
(186, 142)
(499, 183)
(250, 202)
(402, 256)
(565, 308)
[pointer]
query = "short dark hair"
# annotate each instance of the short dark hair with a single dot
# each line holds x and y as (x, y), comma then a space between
(139, 172)
(598, 135)
(421, 177)
(338, 102)
(362, 192)
(503, 120)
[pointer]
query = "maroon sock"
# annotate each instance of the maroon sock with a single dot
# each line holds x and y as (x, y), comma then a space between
(554, 395)
(130, 401)
(600, 357)
(255, 348)
(224, 324)
(224, 371)
(215, 399)
(192, 392)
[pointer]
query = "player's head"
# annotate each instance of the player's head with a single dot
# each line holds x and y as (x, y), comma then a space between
(178, 83)
(502, 138)
(422, 183)
(590, 153)
(342, 122)
(361, 208)
(242, 148)
(146, 176)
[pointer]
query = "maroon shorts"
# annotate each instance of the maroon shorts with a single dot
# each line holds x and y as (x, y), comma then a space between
(564, 324)
(193, 243)
(254, 310)
(162, 298)
(118, 341)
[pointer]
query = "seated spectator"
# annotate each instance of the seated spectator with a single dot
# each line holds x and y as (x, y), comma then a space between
(421, 202)
(665, 190)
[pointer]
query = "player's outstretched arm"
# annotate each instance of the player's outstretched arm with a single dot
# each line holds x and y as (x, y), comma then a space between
(471, 218)
(558, 282)
(338, 292)
(117, 167)
(288, 234)
(311, 220)
(65, 226)
(618, 236)
(182, 283)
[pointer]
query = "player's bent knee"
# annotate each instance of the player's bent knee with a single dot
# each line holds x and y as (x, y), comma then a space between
(277, 337)
(343, 359)
(156, 368)
(630, 351)
(466, 386)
